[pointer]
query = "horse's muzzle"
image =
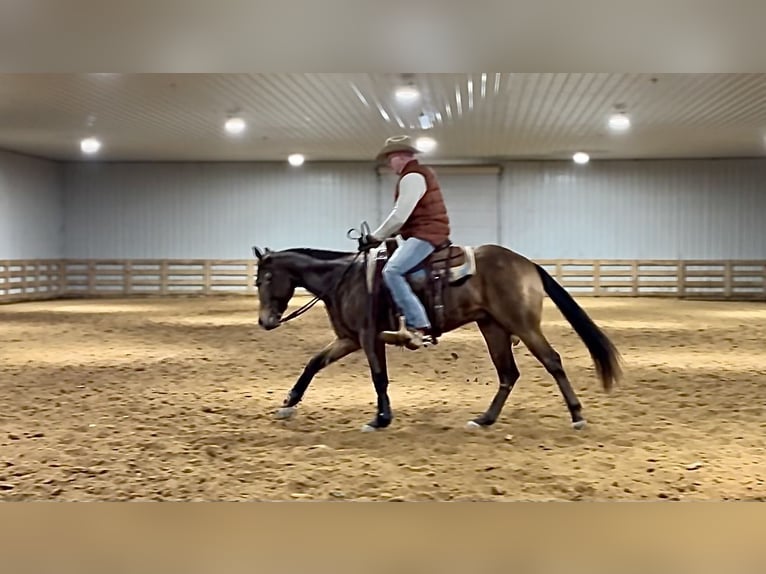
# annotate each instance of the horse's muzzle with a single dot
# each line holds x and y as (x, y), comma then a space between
(271, 322)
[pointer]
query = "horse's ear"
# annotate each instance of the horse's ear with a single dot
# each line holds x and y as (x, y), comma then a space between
(258, 253)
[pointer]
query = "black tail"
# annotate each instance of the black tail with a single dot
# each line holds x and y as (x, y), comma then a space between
(602, 350)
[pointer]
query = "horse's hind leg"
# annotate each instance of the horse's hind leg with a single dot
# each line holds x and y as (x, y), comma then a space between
(499, 345)
(335, 351)
(539, 346)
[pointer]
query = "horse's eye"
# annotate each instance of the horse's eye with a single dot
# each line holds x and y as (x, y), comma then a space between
(259, 280)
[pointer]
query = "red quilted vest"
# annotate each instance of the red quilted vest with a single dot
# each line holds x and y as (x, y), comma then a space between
(429, 220)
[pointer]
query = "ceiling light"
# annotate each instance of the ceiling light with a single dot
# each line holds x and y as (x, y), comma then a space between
(90, 145)
(581, 158)
(425, 121)
(407, 94)
(619, 122)
(359, 94)
(296, 159)
(425, 144)
(235, 125)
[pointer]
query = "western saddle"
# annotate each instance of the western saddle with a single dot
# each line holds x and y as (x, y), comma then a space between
(448, 265)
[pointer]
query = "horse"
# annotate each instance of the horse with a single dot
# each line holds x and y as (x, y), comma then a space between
(503, 295)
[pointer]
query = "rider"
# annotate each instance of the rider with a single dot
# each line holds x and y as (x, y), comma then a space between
(420, 217)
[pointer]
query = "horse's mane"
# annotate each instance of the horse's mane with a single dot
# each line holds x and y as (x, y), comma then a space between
(324, 254)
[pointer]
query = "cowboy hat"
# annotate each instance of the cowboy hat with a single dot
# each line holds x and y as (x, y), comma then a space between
(395, 144)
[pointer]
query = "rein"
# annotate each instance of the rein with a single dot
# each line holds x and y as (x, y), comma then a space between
(301, 311)
(317, 298)
(298, 312)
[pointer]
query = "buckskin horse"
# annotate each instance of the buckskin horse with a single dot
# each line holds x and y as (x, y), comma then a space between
(499, 289)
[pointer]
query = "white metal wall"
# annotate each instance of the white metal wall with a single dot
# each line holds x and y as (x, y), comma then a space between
(216, 211)
(640, 209)
(31, 208)
(636, 209)
(472, 200)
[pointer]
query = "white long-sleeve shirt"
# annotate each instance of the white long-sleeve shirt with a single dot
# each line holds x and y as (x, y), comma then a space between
(411, 188)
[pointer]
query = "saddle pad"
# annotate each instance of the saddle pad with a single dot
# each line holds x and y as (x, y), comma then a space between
(456, 273)
(467, 269)
(372, 261)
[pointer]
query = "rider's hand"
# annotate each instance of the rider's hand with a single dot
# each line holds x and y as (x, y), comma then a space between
(368, 241)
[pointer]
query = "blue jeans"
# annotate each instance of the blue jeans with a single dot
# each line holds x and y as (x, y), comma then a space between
(407, 255)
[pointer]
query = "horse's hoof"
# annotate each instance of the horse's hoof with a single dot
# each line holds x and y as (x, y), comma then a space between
(368, 428)
(470, 425)
(579, 425)
(285, 413)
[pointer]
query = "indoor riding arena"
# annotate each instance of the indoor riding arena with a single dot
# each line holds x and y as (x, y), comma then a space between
(134, 362)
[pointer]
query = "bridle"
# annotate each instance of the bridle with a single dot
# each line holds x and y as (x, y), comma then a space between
(364, 229)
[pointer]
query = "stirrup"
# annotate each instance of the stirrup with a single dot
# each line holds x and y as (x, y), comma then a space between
(404, 337)
(399, 337)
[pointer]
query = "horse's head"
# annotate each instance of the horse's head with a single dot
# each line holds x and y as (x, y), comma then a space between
(276, 287)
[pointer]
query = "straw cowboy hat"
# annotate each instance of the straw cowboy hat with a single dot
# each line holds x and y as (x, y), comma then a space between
(394, 144)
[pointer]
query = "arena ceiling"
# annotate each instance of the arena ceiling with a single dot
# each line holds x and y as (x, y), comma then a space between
(482, 116)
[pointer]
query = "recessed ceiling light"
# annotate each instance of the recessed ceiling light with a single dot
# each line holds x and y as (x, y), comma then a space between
(235, 125)
(581, 157)
(296, 159)
(425, 121)
(407, 94)
(425, 144)
(619, 122)
(90, 145)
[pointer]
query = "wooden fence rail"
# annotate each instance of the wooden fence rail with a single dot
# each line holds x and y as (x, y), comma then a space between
(31, 280)
(24, 280)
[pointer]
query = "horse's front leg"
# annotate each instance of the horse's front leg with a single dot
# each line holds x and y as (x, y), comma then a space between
(335, 351)
(375, 349)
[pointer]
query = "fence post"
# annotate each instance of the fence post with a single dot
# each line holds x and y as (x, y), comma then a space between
(727, 280)
(62, 273)
(5, 285)
(127, 277)
(164, 277)
(634, 278)
(596, 278)
(91, 278)
(763, 294)
(206, 278)
(681, 288)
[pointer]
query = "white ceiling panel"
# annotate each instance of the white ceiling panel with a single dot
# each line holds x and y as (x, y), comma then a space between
(346, 117)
